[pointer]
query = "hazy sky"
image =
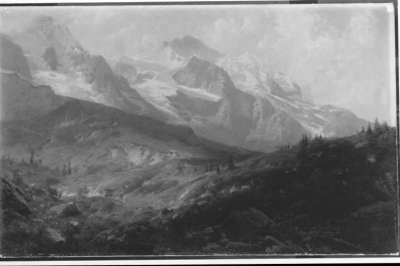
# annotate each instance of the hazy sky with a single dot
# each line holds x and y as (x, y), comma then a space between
(343, 53)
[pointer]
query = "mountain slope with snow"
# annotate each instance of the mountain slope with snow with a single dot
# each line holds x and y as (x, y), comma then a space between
(238, 118)
(251, 76)
(243, 105)
(58, 60)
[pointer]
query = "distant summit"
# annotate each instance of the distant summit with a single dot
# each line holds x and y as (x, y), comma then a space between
(57, 59)
(189, 46)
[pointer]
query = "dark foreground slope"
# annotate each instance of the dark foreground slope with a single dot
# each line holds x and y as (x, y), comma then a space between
(320, 196)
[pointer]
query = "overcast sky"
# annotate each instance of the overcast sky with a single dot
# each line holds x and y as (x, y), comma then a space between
(343, 53)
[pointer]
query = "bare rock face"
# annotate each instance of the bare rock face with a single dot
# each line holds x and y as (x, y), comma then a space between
(128, 71)
(43, 33)
(189, 46)
(200, 73)
(50, 57)
(21, 99)
(238, 118)
(12, 57)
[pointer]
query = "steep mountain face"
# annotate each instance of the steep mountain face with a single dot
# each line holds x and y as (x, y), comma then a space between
(199, 73)
(240, 118)
(237, 101)
(21, 99)
(179, 50)
(12, 57)
(58, 60)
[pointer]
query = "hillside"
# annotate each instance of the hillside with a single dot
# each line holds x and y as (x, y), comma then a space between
(294, 200)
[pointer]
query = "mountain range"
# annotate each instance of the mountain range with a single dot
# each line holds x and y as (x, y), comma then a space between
(73, 108)
(235, 101)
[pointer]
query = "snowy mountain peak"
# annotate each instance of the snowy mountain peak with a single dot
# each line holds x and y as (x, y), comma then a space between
(51, 30)
(250, 75)
(45, 22)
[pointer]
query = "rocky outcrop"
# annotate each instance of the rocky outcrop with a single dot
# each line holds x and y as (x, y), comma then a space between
(12, 58)
(21, 98)
(128, 71)
(189, 46)
(199, 73)
(50, 57)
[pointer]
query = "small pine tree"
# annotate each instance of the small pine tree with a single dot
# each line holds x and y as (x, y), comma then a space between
(377, 126)
(218, 169)
(385, 126)
(369, 129)
(303, 145)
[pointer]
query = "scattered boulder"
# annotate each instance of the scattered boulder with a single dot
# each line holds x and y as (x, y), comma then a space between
(54, 235)
(68, 209)
(71, 210)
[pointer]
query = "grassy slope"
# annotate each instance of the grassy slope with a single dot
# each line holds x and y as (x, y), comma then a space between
(328, 196)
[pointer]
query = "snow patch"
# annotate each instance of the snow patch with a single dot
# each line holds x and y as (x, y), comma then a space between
(199, 93)
(72, 86)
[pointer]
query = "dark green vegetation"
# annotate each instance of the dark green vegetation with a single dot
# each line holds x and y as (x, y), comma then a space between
(320, 196)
